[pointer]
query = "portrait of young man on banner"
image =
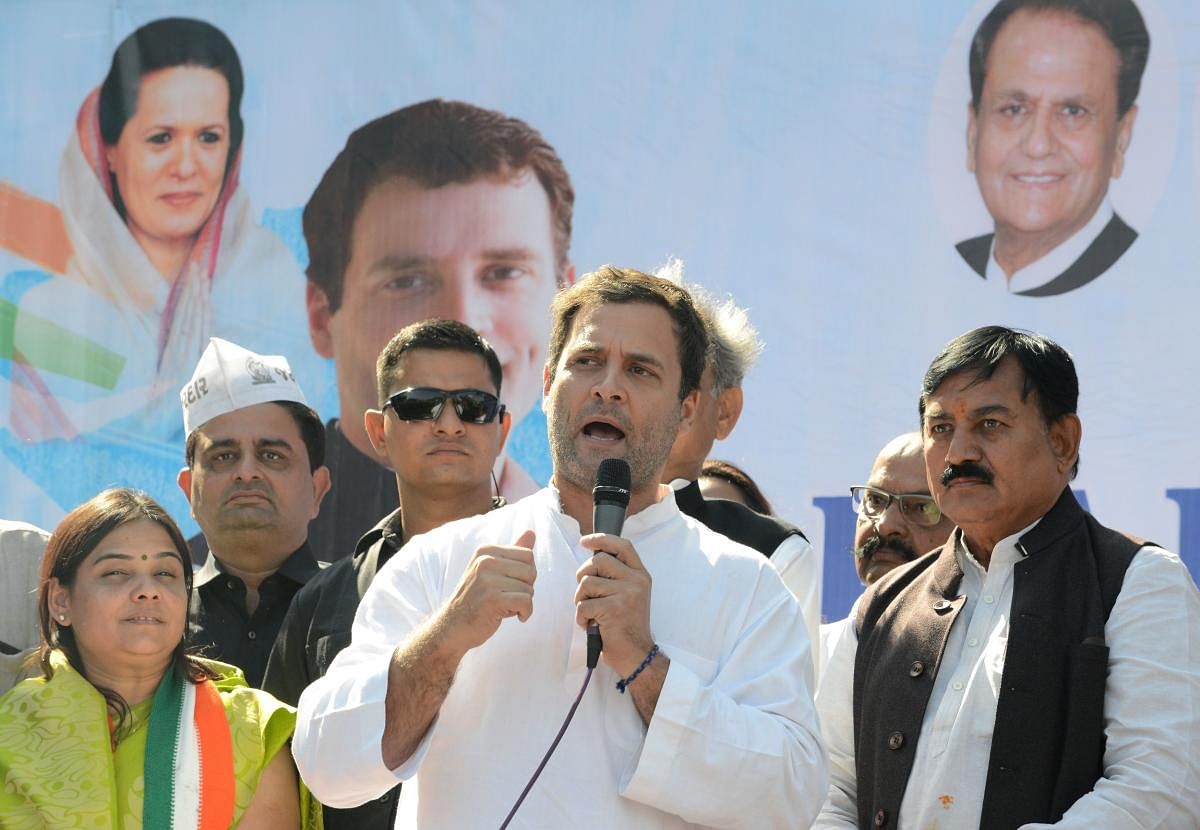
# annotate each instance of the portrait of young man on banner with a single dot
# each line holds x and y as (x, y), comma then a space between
(440, 209)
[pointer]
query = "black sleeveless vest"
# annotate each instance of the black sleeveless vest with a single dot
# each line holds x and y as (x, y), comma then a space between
(1048, 741)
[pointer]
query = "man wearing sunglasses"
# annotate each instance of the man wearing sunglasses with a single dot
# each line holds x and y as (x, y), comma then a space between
(898, 520)
(470, 647)
(440, 426)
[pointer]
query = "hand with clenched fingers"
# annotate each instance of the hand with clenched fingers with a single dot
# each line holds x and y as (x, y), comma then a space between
(497, 583)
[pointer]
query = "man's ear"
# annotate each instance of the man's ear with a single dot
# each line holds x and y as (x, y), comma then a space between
(1124, 137)
(1065, 435)
(545, 383)
(321, 485)
(184, 480)
(320, 319)
(373, 423)
(972, 130)
(687, 409)
(729, 409)
(506, 424)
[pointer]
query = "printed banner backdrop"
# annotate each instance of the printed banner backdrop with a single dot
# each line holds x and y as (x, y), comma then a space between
(812, 161)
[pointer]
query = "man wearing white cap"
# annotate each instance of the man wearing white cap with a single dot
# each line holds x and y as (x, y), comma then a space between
(255, 477)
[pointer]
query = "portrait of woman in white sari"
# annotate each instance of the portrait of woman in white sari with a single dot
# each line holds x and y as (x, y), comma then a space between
(152, 249)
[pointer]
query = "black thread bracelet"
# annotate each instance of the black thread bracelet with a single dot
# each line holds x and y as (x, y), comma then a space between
(623, 684)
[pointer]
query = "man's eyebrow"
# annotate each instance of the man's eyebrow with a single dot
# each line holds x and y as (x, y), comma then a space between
(392, 262)
(1015, 94)
(936, 413)
(221, 444)
(644, 357)
(1081, 99)
(519, 254)
(272, 443)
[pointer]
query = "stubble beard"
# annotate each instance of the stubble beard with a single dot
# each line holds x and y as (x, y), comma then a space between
(645, 457)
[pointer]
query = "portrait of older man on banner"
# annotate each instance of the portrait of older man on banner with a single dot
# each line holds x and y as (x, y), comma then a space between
(1051, 116)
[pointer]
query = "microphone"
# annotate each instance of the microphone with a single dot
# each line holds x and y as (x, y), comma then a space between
(610, 499)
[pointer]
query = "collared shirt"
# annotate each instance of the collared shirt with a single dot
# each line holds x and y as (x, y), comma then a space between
(1152, 705)
(217, 618)
(1045, 270)
(735, 701)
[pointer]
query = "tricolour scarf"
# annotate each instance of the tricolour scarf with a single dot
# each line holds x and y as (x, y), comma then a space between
(189, 758)
(57, 764)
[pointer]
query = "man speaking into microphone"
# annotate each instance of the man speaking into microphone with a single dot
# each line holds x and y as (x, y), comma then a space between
(470, 645)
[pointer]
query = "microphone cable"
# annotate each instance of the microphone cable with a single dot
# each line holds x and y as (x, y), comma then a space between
(562, 731)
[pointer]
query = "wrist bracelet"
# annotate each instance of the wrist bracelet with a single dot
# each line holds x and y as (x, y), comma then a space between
(623, 684)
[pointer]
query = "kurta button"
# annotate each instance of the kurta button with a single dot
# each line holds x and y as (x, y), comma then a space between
(895, 740)
(880, 818)
(941, 605)
(916, 669)
(251, 635)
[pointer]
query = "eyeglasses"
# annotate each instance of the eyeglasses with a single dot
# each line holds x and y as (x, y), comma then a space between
(915, 507)
(425, 403)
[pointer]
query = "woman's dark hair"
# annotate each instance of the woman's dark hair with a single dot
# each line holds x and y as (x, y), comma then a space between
(736, 476)
(76, 536)
(163, 44)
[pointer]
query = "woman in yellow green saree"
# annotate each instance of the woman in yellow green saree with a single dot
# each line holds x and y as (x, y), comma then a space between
(124, 729)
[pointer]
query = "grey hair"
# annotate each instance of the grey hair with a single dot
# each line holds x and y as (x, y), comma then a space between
(734, 344)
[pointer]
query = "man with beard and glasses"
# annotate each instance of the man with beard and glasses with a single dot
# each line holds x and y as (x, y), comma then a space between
(898, 520)
(1037, 668)
(705, 673)
(254, 478)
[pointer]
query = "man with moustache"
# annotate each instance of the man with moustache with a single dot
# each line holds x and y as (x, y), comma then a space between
(443, 461)
(898, 520)
(705, 667)
(254, 478)
(734, 347)
(1053, 85)
(438, 210)
(1036, 669)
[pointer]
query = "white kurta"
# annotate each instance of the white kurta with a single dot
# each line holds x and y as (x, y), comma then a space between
(733, 742)
(1151, 706)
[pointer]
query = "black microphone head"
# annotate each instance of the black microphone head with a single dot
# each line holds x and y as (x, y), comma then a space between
(613, 480)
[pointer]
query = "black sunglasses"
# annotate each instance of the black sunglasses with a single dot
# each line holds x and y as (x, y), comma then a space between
(424, 403)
